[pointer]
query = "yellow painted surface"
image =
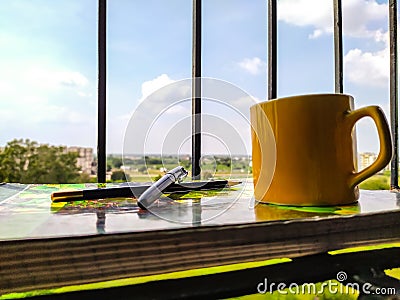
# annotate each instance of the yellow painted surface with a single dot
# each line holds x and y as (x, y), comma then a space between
(364, 248)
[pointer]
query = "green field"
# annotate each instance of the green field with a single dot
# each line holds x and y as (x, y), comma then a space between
(150, 168)
(216, 167)
(377, 182)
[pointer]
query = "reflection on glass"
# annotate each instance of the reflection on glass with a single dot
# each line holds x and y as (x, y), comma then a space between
(196, 212)
(176, 208)
(101, 222)
(271, 212)
(398, 199)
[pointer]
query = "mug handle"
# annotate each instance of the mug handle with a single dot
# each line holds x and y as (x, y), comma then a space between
(385, 141)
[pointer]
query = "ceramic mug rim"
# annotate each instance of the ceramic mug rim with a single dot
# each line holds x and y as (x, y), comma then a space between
(297, 97)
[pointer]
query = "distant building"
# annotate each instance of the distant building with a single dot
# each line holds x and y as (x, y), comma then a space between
(85, 160)
(366, 159)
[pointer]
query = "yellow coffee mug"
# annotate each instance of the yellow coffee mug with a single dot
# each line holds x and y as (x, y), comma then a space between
(305, 152)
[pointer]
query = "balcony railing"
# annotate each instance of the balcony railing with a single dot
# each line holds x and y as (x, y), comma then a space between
(272, 78)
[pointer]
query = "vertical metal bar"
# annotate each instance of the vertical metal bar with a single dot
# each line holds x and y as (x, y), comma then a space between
(394, 170)
(272, 49)
(338, 44)
(101, 116)
(196, 90)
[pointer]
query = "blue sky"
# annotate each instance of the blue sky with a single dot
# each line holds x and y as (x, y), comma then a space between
(48, 60)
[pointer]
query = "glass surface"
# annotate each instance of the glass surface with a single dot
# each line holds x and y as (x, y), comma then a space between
(26, 211)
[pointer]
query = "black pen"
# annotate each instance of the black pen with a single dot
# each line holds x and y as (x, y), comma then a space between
(137, 190)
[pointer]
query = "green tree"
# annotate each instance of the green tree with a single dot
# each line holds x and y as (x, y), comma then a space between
(142, 169)
(153, 160)
(207, 175)
(119, 176)
(85, 178)
(187, 164)
(25, 161)
(226, 161)
(115, 162)
(13, 160)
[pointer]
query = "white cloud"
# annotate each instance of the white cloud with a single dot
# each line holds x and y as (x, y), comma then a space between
(37, 92)
(253, 65)
(365, 19)
(32, 111)
(6, 87)
(179, 109)
(162, 92)
(150, 86)
(10, 41)
(367, 68)
(315, 13)
(162, 122)
(49, 78)
(72, 79)
(147, 89)
(358, 16)
(84, 95)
